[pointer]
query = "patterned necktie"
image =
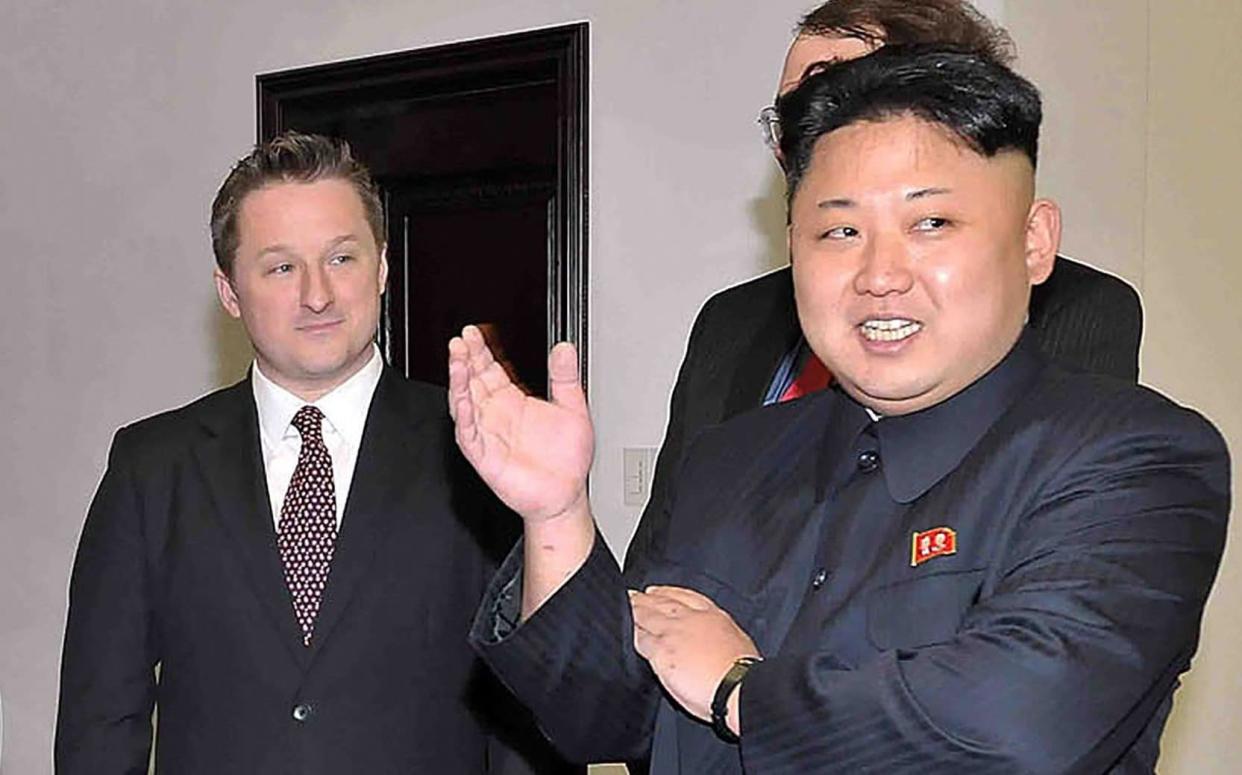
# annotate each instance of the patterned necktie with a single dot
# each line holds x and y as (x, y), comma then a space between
(306, 533)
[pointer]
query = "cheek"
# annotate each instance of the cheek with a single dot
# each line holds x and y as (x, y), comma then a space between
(817, 284)
(265, 307)
(941, 281)
(364, 294)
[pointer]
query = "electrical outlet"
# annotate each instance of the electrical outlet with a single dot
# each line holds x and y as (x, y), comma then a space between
(637, 470)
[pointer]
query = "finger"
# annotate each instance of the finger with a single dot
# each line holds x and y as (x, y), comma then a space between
(465, 428)
(687, 597)
(480, 355)
(564, 382)
(646, 644)
(484, 366)
(458, 374)
(650, 617)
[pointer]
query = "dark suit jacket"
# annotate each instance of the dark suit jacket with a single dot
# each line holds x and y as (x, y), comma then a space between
(1084, 319)
(1090, 516)
(178, 566)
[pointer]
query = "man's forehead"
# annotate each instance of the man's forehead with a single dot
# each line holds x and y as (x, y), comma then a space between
(282, 211)
(907, 139)
(900, 156)
(293, 200)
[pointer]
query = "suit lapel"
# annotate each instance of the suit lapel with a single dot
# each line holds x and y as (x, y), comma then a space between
(380, 494)
(233, 470)
(777, 331)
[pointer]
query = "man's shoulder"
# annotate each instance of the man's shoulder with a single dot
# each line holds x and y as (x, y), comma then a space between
(1073, 281)
(1076, 410)
(759, 293)
(771, 432)
(741, 326)
(174, 424)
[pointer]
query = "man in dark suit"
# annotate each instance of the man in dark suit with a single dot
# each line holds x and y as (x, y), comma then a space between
(286, 568)
(746, 348)
(960, 558)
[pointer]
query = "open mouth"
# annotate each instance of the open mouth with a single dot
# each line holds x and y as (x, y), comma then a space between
(889, 329)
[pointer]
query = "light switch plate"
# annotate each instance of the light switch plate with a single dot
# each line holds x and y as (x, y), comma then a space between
(637, 471)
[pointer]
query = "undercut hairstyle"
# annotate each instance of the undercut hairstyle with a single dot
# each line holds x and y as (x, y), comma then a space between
(954, 23)
(983, 104)
(291, 157)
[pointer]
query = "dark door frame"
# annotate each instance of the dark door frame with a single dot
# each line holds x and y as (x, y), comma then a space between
(457, 68)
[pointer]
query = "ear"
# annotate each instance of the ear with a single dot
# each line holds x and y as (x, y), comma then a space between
(789, 241)
(1043, 239)
(383, 269)
(227, 294)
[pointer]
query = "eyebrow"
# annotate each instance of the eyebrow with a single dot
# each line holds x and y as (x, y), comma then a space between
(925, 192)
(282, 249)
(846, 202)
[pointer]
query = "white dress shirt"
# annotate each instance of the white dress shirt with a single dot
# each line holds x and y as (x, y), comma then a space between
(344, 409)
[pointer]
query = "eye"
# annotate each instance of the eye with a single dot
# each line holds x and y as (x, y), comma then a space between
(840, 232)
(933, 223)
(340, 258)
(283, 268)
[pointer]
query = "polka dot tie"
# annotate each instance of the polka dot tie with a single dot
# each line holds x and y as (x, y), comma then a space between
(306, 533)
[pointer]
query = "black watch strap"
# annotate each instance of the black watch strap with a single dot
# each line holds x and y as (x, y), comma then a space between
(720, 700)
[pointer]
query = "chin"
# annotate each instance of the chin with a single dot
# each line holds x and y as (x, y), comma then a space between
(891, 395)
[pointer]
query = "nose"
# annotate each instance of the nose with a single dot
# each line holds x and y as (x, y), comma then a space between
(885, 268)
(317, 293)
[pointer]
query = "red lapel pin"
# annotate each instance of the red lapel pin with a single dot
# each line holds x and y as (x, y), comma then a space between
(926, 544)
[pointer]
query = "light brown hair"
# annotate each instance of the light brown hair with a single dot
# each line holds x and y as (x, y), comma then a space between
(291, 157)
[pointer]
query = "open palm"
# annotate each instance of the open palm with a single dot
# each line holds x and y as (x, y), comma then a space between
(534, 454)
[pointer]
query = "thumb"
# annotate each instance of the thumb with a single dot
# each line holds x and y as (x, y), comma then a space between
(564, 384)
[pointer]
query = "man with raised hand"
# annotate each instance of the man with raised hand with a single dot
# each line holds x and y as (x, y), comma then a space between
(960, 558)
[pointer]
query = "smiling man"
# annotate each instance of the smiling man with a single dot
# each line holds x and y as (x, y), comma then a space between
(746, 347)
(915, 258)
(960, 558)
(299, 553)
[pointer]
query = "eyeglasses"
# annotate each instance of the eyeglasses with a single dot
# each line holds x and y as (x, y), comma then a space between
(769, 122)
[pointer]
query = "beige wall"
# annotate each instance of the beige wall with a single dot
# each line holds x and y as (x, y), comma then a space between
(1191, 277)
(119, 123)
(1142, 149)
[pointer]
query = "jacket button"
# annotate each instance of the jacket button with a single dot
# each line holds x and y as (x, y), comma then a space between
(302, 712)
(821, 576)
(868, 461)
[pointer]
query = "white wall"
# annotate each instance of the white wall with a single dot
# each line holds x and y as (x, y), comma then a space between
(1141, 147)
(120, 121)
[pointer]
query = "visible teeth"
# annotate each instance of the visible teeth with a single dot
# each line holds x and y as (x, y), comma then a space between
(889, 329)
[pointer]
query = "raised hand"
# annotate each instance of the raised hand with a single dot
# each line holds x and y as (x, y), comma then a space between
(534, 454)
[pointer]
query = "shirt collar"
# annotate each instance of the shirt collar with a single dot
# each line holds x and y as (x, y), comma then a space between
(918, 450)
(344, 407)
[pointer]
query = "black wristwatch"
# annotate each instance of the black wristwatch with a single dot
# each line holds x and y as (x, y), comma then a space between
(720, 700)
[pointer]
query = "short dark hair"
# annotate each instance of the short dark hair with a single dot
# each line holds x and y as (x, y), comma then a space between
(291, 157)
(987, 106)
(954, 23)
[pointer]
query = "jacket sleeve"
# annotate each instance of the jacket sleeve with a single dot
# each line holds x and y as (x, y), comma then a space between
(573, 662)
(107, 678)
(1063, 661)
